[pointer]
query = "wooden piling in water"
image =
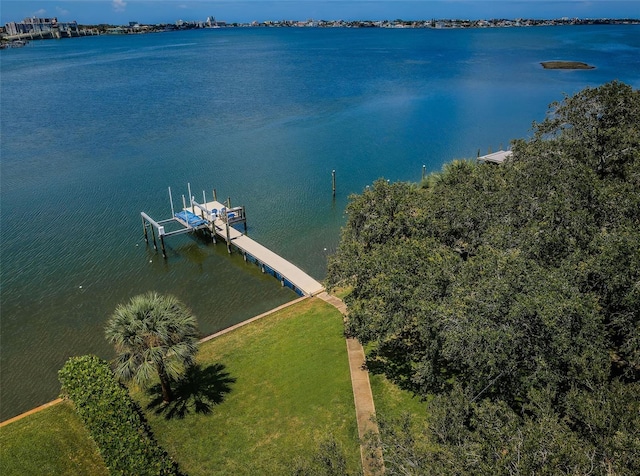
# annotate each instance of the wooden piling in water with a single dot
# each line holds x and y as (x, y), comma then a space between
(144, 227)
(164, 253)
(153, 233)
(333, 182)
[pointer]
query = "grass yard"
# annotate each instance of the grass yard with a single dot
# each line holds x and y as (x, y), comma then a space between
(392, 404)
(391, 401)
(274, 390)
(53, 442)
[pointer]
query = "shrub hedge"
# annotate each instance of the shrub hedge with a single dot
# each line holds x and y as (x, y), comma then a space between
(115, 422)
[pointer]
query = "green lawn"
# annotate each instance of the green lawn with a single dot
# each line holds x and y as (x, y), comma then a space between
(391, 401)
(287, 389)
(274, 391)
(52, 441)
(392, 404)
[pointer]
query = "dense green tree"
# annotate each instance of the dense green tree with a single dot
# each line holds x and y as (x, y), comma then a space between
(597, 127)
(153, 335)
(510, 297)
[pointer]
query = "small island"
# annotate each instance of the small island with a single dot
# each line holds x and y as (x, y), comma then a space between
(565, 65)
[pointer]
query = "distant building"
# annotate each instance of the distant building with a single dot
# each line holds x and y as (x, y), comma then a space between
(213, 23)
(42, 25)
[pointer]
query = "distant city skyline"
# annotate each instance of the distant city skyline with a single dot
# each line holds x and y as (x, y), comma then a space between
(121, 12)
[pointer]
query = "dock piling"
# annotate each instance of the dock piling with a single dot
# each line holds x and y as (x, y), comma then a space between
(171, 200)
(333, 182)
(164, 253)
(153, 234)
(144, 227)
(204, 201)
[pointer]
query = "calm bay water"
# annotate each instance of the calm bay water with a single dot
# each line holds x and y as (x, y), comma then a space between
(94, 130)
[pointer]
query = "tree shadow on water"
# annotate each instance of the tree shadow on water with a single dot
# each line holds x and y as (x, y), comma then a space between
(198, 391)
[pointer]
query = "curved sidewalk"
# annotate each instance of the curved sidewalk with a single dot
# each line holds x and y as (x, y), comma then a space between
(372, 462)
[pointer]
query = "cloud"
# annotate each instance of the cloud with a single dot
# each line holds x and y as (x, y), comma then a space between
(40, 13)
(119, 5)
(62, 11)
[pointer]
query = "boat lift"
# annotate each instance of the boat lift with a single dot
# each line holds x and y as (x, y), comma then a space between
(196, 217)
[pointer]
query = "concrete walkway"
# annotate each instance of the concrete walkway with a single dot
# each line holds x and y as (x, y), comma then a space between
(372, 462)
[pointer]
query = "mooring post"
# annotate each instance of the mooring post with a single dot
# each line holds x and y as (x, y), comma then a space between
(244, 219)
(153, 233)
(184, 203)
(164, 253)
(215, 195)
(333, 182)
(228, 202)
(228, 236)
(424, 171)
(173, 213)
(144, 227)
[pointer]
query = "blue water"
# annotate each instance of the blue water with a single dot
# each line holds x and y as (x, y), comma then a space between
(94, 130)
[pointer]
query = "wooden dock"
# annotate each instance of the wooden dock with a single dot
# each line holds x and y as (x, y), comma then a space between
(286, 272)
(218, 220)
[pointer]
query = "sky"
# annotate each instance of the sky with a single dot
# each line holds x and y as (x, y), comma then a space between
(120, 12)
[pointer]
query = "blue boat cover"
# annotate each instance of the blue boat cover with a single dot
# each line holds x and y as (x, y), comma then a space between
(191, 219)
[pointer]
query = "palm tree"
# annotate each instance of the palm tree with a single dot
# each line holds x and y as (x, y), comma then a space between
(153, 334)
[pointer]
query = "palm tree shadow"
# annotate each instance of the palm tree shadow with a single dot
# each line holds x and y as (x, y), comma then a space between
(198, 391)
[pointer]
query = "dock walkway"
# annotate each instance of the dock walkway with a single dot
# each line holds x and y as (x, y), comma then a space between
(264, 257)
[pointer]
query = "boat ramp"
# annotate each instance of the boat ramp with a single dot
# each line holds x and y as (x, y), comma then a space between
(220, 221)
